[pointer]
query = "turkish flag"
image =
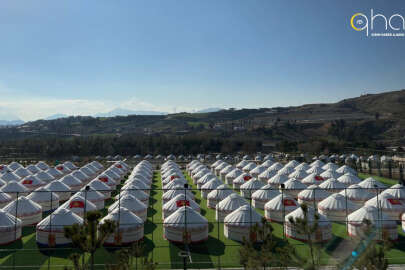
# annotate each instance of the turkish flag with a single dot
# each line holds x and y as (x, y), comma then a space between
(319, 178)
(289, 202)
(394, 201)
(181, 203)
(103, 179)
(76, 204)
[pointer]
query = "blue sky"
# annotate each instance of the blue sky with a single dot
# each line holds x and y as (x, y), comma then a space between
(83, 57)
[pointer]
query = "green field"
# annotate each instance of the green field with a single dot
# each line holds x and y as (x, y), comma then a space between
(216, 251)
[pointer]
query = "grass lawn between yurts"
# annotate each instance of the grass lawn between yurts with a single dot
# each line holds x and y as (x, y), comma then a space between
(218, 250)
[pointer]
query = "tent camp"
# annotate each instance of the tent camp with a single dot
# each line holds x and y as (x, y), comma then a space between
(28, 211)
(238, 223)
(228, 205)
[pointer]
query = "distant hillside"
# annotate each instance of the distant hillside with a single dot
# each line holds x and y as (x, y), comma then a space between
(56, 116)
(209, 110)
(125, 112)
(11, 122)
(376, 119)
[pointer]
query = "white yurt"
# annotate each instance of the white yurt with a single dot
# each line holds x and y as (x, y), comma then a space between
(78, 205)
(298, 174)
(228, 205)
(292, 187)
(54, 173)
(266, 175)
(63, 169)
(263, 195)
(225, 171)
(28, 211)
(101, 187)
(349, 179)
(312, 195)
(332, 185)
(257, 170)
(277, 180)
(170, 194)
(32, 182)
(62, 190)
(248, 167)
(276, 166)
(93, 196)
(384, 226)
(238, 223)
(219, 168)
(177, 182)
(330, 166)
(292, 164)
(357, 194)
(251, 186)
(313, 179)
(317, 163)
(10, 228)
(130, 227)
(267, 163)
(48, 200)
(44, 177)
(315, 170)
(240, 180)
(303, 166)
(242, 164)
(70, 165)
(205, 179)
(22, 172)
(195, 178)
(346, 169)
(337, 207)
(50, 231)
(330, 174)
(4, 199)
(132, 204)
(9, 176)
(392, 207)
(177, 202)
(42, 165)
(185, 225)
(372, 185)
(322, 234)
(81, 176)
(210, 186)
(397, 191)
(217, 195)
(72, 182)
(137, 193)
(13, 188)
(286, 170)
(14, 166)
(232, 176)
(136, 184)
(33, 169)
(277, 208)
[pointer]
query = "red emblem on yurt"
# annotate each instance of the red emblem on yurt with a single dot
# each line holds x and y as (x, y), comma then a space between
(394, 201)
(289, 202)
(1, 167)
(181, 203)
(319, 178)
(103, 179)
(27, 182)
(119, 166)
(247, 177)
(174, 177)
(51, 240)
(60, 168)
(76, 204)
(118, 238)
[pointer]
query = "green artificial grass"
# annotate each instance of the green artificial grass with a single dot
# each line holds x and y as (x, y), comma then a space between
(216, 251)
(384, 180)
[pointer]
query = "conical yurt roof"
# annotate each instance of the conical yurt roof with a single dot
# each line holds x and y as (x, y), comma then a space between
(58, 220)
(221, 192)
(278, 179)
(252, 184)
(8, 221)
(168, 195)
(356, 192)
(43, 194)
(330, 174)
(23, 206)
(313, 192)
(130, 202)
(267, 174)
(316, 170)
(282, 201)
(212, 184)
(44, 176)
(42, 165)
(231, 203)
(372, 214)
(234, 173)
(185, 216)
(276, 166)
(397, 191)
(386, 201)
(10, 176)
(22, 172)
(54, 172)
(78, 202)
(33, 169)
(14, 166)
(337, 201)
(57, 186)
(244, 216)
(124, 217)
(299, 214)
(313, 178)
(180, 201)
(14, 186)
(265, 193)
(371, 183)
